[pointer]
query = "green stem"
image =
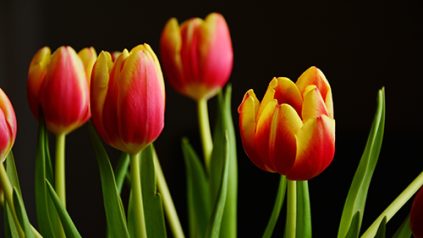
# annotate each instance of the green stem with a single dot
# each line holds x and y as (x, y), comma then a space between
(8, 194)
(172, 215)
(393, 208)
(291, 219)
(60, 181)
(206, 138)
(276, 208)
(140, 229)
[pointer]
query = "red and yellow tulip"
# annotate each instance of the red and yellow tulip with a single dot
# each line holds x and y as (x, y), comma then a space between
(58, 87)
(416, 215)
(128, 98)
(197, 55)
(7, 126)
(292, 130)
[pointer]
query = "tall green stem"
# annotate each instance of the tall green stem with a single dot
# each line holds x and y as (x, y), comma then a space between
(60, 181)
(291, 219)
(172, 215)
(276, 208)
(206, 138)
(393, 208)
(140, 229)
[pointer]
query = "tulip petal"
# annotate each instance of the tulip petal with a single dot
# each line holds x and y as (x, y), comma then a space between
(65, 79)
(88, 57)
(313, 76)
(140, 100)
(286, 92)
(284, 146)
(315, 148)
(216, 53)
(36, 75)
(265, 135)
(99, 86)
(313, 105)
(8, 125)
(247, 122)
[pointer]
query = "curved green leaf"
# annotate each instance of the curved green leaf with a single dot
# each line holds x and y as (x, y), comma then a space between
(198, 192)
(68, 225)
(353, 230)
(381, 231)
(225, 128)
(215, 222)
(121, 170)
(21, 213)
(153, 209)
(357, 195)
(115, 213)
(404, 231)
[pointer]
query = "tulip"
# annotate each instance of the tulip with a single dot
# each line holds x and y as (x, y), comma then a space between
(292, 130)
(58, 87)
(7, 126)
(197, 55)
(416, 215)
(128, 98)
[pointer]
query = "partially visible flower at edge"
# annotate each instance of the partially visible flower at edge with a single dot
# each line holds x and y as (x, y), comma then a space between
(197, 55)
(8, 126)
(57, 87)
(292, 130)
(416, 215)
(128, 98)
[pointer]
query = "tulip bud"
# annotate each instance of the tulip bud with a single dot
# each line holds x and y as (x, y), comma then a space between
(7, 126)
(416, 215)
(292, 130)
(88, 57)
(128, 98)
(58, 87)
(197, 55)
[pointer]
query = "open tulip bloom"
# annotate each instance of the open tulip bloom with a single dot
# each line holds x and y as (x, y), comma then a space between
(289, 132)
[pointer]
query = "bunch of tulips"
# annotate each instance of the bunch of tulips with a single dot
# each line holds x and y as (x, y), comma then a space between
(291, 132)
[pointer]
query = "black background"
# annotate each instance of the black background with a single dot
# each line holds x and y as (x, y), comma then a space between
(360, 46)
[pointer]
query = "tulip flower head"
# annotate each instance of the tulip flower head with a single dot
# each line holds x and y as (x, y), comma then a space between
(197, 55)
(7, 126)
(58, 87)
(416, 215)
(128, 98)
(292, 130)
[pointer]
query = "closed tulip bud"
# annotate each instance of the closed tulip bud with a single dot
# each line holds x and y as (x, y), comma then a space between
(292, 130)
(58, 88)
(416, 215)
(197, 55)
(7, 126)
(88, 56)
(128, 98)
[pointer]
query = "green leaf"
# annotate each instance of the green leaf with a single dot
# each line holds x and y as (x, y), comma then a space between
(10, 229)
(303, 229)
(224, 127)
(68, 225)
(215, 222)
(153, 208)
(115, 213)
(198, 192)
(404, 231)
(356, 198)
(47, 218)
(12, 173)
(21, 214)
(381, 231)
(121, 170)
(353, 230)
(280, 197)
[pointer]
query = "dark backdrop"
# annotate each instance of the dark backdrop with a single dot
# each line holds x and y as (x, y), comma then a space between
(360, 46)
